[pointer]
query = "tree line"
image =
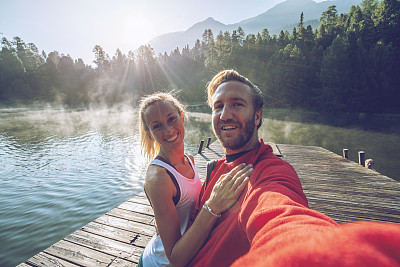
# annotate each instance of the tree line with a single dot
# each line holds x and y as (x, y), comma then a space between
(349, 64)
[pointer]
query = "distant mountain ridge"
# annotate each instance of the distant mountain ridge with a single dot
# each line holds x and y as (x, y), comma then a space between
(283, 16)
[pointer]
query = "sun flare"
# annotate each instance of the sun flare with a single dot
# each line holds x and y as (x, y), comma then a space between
(138, 26)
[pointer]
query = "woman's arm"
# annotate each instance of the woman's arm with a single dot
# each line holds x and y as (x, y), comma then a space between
(160, 191)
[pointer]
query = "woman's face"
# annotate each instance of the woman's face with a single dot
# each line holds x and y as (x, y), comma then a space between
(165, 124)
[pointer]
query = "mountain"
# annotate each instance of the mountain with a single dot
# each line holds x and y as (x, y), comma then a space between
(288, 13)
(283, 16)
(169, 41)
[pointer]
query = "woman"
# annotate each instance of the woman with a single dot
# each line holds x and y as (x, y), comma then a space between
(172, 185)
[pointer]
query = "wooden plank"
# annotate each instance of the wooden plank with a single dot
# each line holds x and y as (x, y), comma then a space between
(139, 208)
(44, 259)
(132, 215)
(346, 204)
(118, 234)
(121, 263)
(78, 254)
(127, 225)
(140, 200)
(105, 245)
(356, 200)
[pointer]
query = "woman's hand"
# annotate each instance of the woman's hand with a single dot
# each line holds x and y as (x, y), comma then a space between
(228, 188)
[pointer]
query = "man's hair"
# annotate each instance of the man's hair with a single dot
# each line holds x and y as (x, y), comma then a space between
(232, 75)
(150, 147)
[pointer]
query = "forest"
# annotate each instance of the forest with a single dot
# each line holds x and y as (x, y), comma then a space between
(349, 64)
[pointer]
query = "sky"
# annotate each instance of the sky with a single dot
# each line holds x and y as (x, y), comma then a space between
(74, 27)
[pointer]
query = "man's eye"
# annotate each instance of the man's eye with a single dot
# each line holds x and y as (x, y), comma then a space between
(238, 104)
(218, 107)
(172, 119)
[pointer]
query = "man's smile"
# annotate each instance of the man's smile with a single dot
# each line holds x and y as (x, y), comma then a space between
(229, 127)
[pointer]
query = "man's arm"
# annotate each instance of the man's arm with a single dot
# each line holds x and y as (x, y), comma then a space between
(283, 231)
(275, 203)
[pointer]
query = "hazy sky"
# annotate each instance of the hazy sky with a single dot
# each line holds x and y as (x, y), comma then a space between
(74, 27)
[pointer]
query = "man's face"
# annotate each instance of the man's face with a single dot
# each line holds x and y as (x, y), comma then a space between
(234, 119)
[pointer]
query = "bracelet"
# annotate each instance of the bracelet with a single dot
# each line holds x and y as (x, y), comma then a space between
(207, 208)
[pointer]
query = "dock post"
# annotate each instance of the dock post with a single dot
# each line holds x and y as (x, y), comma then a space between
(345, 153)
(208, 142)
(201, 146)
(361, 158)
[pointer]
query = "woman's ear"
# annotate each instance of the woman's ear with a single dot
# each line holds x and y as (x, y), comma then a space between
(148, 133)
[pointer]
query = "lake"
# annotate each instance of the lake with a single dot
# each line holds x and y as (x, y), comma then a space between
(61, 169)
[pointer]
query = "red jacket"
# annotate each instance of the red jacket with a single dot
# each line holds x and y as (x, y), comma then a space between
(271, 224)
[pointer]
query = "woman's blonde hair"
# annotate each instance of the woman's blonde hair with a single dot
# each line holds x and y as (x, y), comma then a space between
(150, 148)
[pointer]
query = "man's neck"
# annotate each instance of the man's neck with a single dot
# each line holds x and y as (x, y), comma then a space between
(235, 156)
(252, 144)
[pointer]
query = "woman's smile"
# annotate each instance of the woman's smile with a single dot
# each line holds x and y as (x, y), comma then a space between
(173, 138)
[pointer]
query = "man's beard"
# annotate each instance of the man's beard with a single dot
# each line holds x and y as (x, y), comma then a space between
(243, 137)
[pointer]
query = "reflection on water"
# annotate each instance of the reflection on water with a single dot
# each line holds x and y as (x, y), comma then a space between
(198, 128)
(61, 169)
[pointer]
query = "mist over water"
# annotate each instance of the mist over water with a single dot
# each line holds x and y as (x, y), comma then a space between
(61, 169)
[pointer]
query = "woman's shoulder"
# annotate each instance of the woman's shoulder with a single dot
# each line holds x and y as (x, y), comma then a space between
(156, 173)
(158, 183)
(190, 156)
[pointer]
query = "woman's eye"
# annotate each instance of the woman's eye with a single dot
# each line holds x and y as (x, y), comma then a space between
(156, 127)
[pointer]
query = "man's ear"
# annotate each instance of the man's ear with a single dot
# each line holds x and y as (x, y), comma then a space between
(183, 117)
(258, 116)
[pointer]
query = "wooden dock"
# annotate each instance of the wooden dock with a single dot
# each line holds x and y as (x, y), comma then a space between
(335, 186)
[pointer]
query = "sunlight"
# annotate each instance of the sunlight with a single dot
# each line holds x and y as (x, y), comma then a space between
(138, 26)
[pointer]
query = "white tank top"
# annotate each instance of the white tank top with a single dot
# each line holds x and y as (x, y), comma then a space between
(154, 254)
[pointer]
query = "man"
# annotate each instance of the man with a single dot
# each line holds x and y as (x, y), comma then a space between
(271, 224)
